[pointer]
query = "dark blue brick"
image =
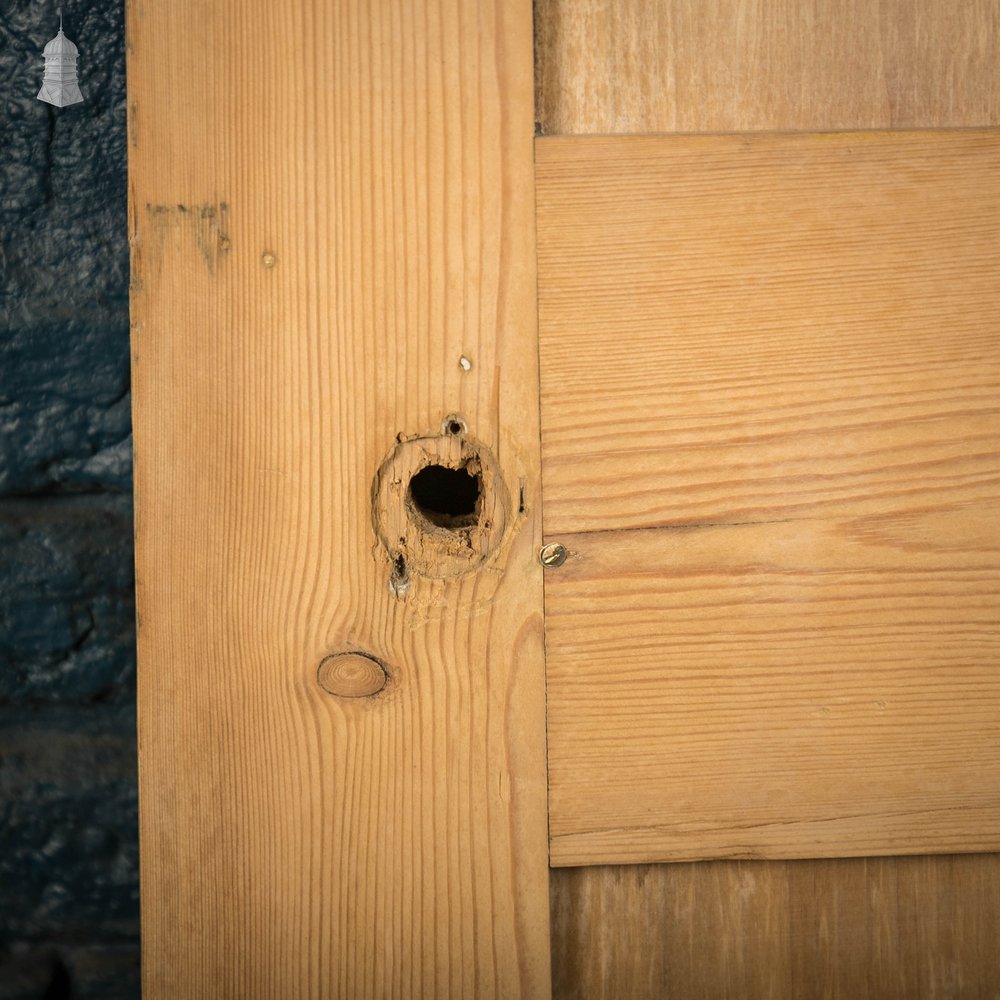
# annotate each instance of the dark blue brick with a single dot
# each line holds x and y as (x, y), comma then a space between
(66, 600)
(65, 249)
(32, 973)
(70, 972)
(64, 409)
(68, 825)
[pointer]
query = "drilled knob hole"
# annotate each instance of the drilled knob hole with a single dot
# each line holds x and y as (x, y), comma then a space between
(448, 498)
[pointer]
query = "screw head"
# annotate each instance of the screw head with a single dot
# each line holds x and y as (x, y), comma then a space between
(552, 555)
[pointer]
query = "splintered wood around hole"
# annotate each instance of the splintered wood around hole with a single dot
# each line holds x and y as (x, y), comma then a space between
(440, 508)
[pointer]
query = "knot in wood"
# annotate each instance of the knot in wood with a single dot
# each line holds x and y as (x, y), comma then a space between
(352, 675)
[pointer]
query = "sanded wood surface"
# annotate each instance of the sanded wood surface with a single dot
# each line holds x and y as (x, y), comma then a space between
(863, 929)
(801, 689)
(771, 443)
(748, 328)
(743, 65)
(330, 206)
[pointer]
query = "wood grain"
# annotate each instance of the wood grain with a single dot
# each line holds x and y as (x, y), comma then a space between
(617, 66)
(331, 204)
(864, 929)
(752, 328)
(771, 442)
(801, 689)
(891, 928)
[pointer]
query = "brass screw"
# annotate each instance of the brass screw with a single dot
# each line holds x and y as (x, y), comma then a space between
(552, 555)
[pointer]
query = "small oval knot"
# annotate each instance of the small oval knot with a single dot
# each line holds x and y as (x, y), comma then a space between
(352, 675)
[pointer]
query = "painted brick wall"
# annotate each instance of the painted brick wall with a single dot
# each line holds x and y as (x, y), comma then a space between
(69, 916)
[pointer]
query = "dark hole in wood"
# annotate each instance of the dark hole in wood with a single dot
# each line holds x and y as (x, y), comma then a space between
(447, 497)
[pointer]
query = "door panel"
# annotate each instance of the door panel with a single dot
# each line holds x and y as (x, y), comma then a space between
(770, 372)
(749, 65)
(761, 327)
(825, 688)
(853, 929)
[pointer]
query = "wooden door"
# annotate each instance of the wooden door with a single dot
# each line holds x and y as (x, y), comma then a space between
(746, 389)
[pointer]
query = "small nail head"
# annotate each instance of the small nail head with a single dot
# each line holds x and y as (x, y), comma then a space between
(552, 555)
(268, 259)
(465, 364)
